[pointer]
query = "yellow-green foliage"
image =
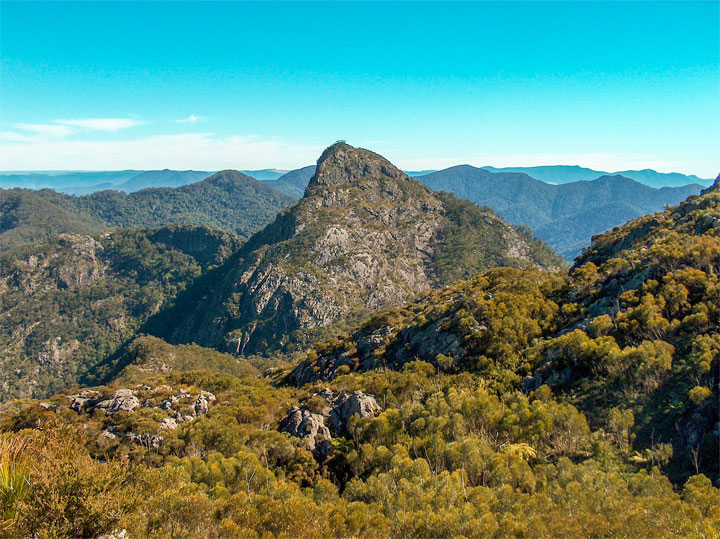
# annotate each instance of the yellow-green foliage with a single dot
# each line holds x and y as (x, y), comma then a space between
(60, 490)
(613, 435)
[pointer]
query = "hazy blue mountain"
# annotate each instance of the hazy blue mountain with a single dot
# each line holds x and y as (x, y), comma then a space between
(294, 182)
(265, 174)
(60, 181)
(566, 174)
(566, 216)
(416, 173)
(662, 179)
(162, 178)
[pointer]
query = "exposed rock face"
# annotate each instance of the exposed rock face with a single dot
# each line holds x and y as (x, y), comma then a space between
(66, 297)
(85, 266)
(407, 344)
(202, 403)
(83, 400)
(714, 187)
(169, 423)
(346, 405)
(124, 400)
(302, 423)
(206, 245)
(365, 236)
(311, 427)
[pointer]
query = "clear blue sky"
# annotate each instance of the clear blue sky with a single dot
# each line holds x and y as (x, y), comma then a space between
(111, 85)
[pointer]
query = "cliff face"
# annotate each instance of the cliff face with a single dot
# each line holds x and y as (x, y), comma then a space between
(69, 302)
(364, 236)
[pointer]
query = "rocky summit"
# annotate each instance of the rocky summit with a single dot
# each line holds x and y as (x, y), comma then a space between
(365, 236)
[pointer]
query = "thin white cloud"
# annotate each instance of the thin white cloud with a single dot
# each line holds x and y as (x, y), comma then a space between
(199, 151)
(14, 136)
(101, 124)
(192, 119)
(49, 130)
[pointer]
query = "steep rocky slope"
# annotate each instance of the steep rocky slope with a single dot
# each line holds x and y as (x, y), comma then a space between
(630, 335)
(365, 236)
(67, 303)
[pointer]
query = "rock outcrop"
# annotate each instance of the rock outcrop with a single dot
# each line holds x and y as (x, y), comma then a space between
(123, 400)
(311, 427)
(302, 423)
(346, 405)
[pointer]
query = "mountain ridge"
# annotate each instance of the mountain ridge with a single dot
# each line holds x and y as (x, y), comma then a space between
(365, 235)
(545, 208)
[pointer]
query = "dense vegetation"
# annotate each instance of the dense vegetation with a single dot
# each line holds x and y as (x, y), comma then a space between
(632, 330)
(228, 200)
(25, 217)
(516, 403)
(69, 302)
(447, 456)
(567, 215)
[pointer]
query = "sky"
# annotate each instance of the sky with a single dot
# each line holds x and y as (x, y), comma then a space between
(212, 85)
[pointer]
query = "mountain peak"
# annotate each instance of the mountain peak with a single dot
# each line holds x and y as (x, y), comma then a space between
(342, 163)
(364, 237)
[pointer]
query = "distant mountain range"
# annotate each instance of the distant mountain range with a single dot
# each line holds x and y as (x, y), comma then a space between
(229, 201)
(291, 182)
(566, 174)
(566, 215)
(82, 183)
(564, 205)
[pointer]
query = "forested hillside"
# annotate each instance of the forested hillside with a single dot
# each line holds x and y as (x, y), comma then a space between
(517, 403)
(633, 329)
(26, 216)
(565, 216)
(514, 402)
(68, 302)
(228, 201)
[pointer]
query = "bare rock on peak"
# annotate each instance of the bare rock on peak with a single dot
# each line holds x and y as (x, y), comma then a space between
(363, 238)
(342, 163)
(714, 187)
